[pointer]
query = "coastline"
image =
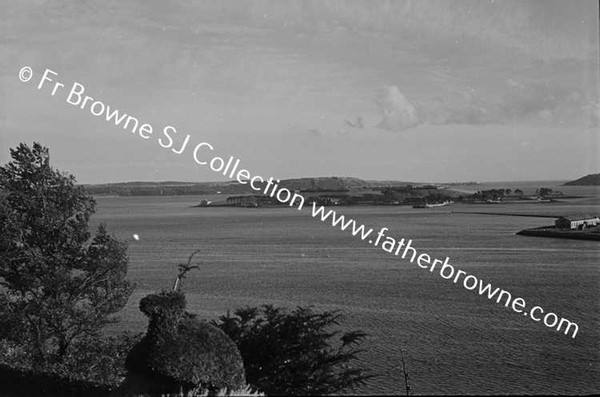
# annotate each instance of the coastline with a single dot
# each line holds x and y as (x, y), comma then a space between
(551, 231)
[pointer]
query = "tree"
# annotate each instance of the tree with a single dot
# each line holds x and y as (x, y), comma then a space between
(57, 287)
(293, 353)
(179, 351)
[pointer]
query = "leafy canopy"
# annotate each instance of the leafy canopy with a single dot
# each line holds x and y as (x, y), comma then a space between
(56, 285)
(294, 353)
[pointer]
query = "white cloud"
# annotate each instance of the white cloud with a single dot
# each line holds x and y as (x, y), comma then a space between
(398, 113)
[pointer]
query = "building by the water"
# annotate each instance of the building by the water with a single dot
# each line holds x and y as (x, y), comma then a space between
(576, 222)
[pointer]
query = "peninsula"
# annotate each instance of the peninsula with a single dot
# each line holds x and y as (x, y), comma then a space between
(570, 227)
(588, 180)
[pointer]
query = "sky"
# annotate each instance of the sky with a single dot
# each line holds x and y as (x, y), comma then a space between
(432, 91)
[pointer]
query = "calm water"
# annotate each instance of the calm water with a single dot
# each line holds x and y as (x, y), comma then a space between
(454, 340)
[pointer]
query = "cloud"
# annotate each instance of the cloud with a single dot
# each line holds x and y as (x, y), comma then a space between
(593, 110)
(315, 132)
(545, 101)
(517, 101)
(398, 113)
(457, 110)
(355, 124)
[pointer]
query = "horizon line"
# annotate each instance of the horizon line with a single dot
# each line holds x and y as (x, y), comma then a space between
(331, 177)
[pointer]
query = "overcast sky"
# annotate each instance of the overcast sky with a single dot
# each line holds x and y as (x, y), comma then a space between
(407, 90)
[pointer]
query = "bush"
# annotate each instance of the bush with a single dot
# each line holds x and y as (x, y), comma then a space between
(96, 360)
(293, 353)
(93, 367)
(200, 392)
(100, 360)
(181, 351)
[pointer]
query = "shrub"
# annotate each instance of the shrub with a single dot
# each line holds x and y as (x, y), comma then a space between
(93, 367)
(100, 360)
(181, 351)
(293, 353)
(200, 392)
(96, 360)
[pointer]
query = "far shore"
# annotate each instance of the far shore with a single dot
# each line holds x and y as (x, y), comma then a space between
(551, 231)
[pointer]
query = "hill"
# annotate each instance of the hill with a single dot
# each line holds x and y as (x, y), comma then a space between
(229, 187)
(324, 183)
(588, 180)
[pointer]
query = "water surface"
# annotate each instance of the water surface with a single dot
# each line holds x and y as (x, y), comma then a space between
(454, 341)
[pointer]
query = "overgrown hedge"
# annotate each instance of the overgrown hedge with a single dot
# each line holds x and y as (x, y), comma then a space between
(26, 382)
(95, 368)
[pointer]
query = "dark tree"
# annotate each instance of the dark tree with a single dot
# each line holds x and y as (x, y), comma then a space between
(295, 353)
(58, 286)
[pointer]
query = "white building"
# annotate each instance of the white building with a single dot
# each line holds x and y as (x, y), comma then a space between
(576, 222)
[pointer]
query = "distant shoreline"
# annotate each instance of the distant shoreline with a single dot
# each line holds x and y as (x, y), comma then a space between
(551, 231)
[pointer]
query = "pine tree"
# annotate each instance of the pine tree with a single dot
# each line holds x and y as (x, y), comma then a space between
(58, 286)
(295, 353)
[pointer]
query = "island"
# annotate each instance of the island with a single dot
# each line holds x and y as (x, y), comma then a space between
(331, 191)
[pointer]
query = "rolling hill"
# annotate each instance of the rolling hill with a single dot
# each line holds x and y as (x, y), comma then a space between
(588, 180)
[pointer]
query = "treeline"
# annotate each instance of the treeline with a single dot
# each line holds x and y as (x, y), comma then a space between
(498, 194)
(166, 189)
(415, 195)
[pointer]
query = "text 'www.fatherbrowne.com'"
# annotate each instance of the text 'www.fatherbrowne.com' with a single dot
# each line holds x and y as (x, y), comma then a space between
(404, 249)
(203, 154)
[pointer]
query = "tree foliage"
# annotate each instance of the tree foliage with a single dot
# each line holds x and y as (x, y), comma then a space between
(181, 351)
(58, 285)
(294, 353)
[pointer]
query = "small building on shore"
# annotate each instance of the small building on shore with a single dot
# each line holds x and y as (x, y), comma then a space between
(576, 222)
(204, 203)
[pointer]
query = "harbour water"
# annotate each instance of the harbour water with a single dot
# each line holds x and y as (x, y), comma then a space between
(454, 341)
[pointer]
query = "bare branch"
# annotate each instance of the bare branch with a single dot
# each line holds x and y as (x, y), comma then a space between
(183, 269)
